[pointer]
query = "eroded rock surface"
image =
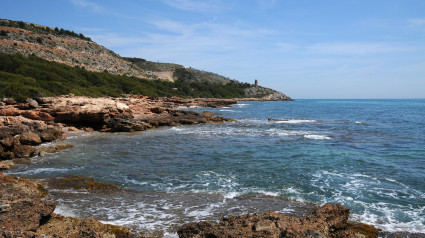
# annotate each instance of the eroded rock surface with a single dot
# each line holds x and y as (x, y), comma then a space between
(24, 214)
(326, 221)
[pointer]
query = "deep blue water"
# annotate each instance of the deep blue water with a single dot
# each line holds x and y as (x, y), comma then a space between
(368, 155)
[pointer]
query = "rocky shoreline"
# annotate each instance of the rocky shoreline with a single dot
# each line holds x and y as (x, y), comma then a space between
(25, 213)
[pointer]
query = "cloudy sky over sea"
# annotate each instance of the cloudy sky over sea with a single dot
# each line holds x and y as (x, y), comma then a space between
(306, 49)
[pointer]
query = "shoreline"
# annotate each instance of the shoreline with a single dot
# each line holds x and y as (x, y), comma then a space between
(79, 114)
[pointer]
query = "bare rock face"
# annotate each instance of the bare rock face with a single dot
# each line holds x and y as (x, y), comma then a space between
(326, 221)
(22, 210)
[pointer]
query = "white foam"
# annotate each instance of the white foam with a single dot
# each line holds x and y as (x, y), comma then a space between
(318, 137)
(226, 110)
(296, 121)
(65, 211)
(44, 170)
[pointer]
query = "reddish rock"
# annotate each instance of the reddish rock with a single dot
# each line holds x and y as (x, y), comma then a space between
(21, 207)
(37, 115)
(327, 221)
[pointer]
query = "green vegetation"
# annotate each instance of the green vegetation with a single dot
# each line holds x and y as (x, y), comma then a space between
(41, 29)
(153, 66)
(23, 77)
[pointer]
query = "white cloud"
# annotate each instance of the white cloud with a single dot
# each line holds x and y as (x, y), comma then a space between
(264, 4)
(197, 5)
(87, 4)
(417, 24)
(352, 48)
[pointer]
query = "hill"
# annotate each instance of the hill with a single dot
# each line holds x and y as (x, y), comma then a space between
(87, 60)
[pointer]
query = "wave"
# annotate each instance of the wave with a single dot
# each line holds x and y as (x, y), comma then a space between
(43, 170)
(317, 137)
(357, 188)
(295, 121)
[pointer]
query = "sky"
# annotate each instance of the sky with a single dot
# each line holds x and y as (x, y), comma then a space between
(303, 48)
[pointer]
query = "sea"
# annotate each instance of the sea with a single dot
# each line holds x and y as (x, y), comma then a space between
(287, 157)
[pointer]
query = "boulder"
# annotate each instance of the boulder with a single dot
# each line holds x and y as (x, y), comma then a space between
(30, 138)
(50, 134)
(32, 103)
(7, 164)
(23, 151)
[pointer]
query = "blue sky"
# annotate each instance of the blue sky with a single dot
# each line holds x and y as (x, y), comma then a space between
(306, 49)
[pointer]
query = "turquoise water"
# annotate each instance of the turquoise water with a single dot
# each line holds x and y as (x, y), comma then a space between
(368, 155)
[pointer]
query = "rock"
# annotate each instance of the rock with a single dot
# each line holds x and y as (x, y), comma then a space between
(21, 210)
(9, 101)
(7, 141)
(23, 151)
(59, 226)
(7, 155)
(326, 221)
(30, 138)
(37, 115)
(50, 134)
(7, 164)
(32, 103)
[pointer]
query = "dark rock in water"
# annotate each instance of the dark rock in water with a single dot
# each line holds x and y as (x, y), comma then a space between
(326, 221)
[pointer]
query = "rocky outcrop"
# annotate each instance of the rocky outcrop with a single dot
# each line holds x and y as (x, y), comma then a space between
(24, 214)
(326, 221)
(25, 125)
(18, 135)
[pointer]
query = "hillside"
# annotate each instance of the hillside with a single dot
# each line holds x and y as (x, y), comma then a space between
(83, 56)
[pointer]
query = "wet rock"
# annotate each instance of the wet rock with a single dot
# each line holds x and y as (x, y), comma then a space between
(59, 226)
(326, 221)
(23, 151)
(7, 164)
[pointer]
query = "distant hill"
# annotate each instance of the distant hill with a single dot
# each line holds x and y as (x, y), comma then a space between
(80, 52)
